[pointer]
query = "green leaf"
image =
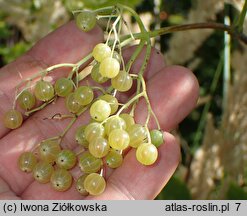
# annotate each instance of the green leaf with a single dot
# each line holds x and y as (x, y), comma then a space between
(11, 53)
(235, 192)
(175, 190)
(4, 30)
(175, 19)
(72, 5)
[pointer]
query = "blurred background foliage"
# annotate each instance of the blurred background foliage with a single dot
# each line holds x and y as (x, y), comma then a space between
(213, 137)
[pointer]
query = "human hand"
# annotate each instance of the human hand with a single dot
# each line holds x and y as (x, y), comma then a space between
(173, 92)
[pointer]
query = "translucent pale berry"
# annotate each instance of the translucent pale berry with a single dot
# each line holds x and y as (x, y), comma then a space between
(101, 51)
(43, 90)
(66, 159)
(72, 104)
(119, 139)
(12, 119)
(80, 136)
(146, 154)
(94, 184)
(42, 172)
(100, 110)
(96, 76)
(156, 137)
(137, 134)
(114, 123)
(109, 67)
(114, 159)
(113, 102)
(89, 164)
(129, 120)
(73, 5)
(94, 130)
(48, 150)
(86, 20)
(122, 82)
(80, 185)
(84, 95)
(63, 87)
(27, 161)
(61, 180)
(26, 100)
(99, 147)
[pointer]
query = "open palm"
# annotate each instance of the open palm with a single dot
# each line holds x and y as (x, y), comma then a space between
(173, 92)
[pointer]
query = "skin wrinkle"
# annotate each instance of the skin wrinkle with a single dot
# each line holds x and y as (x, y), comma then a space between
(120, 188)
(5, 192)
(25, 65)
(8, 196)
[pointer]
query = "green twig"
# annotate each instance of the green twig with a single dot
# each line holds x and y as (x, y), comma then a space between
(45, 72)
(239, 23)
(40, 107)
(135, 55)
(167, 30)
(73, 120)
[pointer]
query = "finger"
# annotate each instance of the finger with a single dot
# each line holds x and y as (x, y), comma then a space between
(173, 93)
(5, 191)
(66, 45)
(135, 181)
(46, 192)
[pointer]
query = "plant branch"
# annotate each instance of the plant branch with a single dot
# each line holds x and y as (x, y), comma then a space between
(167, 30)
